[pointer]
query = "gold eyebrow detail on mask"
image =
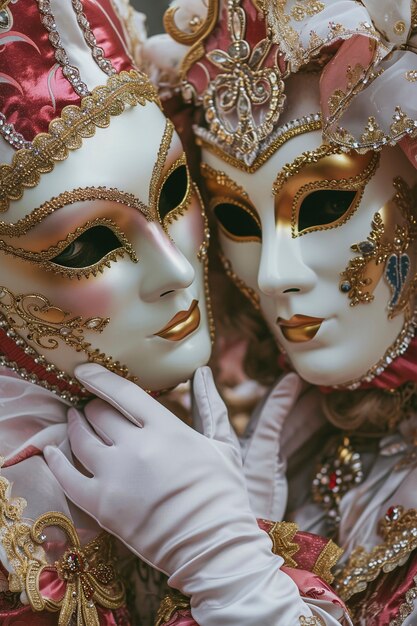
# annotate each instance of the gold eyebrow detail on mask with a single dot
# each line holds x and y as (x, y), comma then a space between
(44, 258)
(289, 169)
(221, 179)
(82, 194)
(154, 185)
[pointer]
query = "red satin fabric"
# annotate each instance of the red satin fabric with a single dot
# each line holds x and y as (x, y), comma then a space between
(380, 604)
(33, 88)
(109, 33)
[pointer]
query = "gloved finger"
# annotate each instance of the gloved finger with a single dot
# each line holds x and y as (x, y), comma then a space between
(78, 488)
(101, 417)
(264, 442)
(210, 408)
(85, 444)
(129, 399)
(109, 424)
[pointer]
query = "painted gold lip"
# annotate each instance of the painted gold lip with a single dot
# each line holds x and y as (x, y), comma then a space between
(182, 324)
(300, 328)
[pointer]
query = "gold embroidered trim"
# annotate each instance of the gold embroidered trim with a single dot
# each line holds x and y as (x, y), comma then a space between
(400, 539)
(312, 621)
(81, 194)
(16, 538)
(373, 137)
(170, 604)
(282, 535)
(88, 571)
(327, 559)
(44, 258)
(199, 30)
(66, 132)
(283, 136)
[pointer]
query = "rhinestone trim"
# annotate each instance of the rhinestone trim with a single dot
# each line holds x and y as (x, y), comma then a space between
(397, 349)
(39, 360)
(8, 132)
(97, 53)
(70, 72)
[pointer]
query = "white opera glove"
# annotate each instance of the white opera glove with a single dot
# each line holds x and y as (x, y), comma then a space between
(178, 500)
(264, 466)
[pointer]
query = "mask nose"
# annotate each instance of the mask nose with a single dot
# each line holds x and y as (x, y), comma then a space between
(168, 268)
(282, 270)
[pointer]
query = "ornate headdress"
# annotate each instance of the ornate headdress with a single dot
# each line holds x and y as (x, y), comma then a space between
(235, 68)
(66, 68)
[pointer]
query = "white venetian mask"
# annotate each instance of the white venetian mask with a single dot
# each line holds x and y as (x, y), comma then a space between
(103, 258)
(288, 229)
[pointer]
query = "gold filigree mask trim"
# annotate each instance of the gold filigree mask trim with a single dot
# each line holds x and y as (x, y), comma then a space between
(376, 249)
(73, 392)
(66, 132)
(218, 182)
(47, 325)
(154, 187)
(66, 198)
(44, 258)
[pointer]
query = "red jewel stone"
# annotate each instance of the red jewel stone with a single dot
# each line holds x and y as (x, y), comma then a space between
(392, 513)
(332, 480)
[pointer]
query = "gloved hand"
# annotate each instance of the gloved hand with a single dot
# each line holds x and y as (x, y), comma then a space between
(178, 500)
(263, 467)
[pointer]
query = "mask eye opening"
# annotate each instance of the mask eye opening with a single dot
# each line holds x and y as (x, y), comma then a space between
(236, 220)
(175, 192)
(323, 209)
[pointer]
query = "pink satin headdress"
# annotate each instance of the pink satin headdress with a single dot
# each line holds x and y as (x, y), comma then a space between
(239, 54)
